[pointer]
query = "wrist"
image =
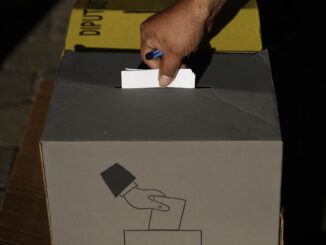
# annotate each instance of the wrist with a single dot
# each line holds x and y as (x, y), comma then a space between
(130, 187)
(206, 10)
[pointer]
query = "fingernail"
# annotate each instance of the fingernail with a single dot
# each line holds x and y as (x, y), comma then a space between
(165, 81)
(164, 208)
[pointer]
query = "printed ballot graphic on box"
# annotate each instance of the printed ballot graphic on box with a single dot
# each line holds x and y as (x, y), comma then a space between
(175, 193)
(166, 212)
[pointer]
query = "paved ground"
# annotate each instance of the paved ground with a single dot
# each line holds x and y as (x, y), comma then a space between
(34, 59)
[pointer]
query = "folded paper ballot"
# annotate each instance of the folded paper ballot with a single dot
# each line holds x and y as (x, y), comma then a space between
(137, 78)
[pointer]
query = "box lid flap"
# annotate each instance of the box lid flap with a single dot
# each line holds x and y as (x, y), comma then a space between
(234, 100)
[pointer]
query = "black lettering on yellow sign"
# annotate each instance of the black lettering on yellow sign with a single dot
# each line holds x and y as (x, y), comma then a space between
(91, 23)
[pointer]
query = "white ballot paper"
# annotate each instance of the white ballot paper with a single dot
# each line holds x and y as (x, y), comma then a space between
(137, 78)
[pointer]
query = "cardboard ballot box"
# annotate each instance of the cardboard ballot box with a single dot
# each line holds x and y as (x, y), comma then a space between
(163, 166)
(115, 24)
(163, 237)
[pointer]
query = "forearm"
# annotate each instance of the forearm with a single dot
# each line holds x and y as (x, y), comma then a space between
(204, 11)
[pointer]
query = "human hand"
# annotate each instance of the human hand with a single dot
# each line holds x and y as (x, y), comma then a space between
(177, 31)
(145, 199)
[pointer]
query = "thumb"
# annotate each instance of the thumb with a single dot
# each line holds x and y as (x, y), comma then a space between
(157, 203)
(169, 67)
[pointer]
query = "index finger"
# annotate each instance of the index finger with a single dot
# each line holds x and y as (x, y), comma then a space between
(147, 47)
(159, 205)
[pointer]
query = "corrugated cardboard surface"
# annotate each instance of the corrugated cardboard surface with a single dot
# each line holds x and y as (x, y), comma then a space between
(217, 146)
(95, 25)
(235, 101)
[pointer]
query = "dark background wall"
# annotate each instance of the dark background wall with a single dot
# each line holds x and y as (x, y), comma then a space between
(291, 31)
(18, 18)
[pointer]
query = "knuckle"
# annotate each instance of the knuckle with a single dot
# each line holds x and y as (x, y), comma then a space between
(141, 28)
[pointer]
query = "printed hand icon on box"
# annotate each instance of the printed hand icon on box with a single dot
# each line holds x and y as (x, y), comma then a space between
(166, 212)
